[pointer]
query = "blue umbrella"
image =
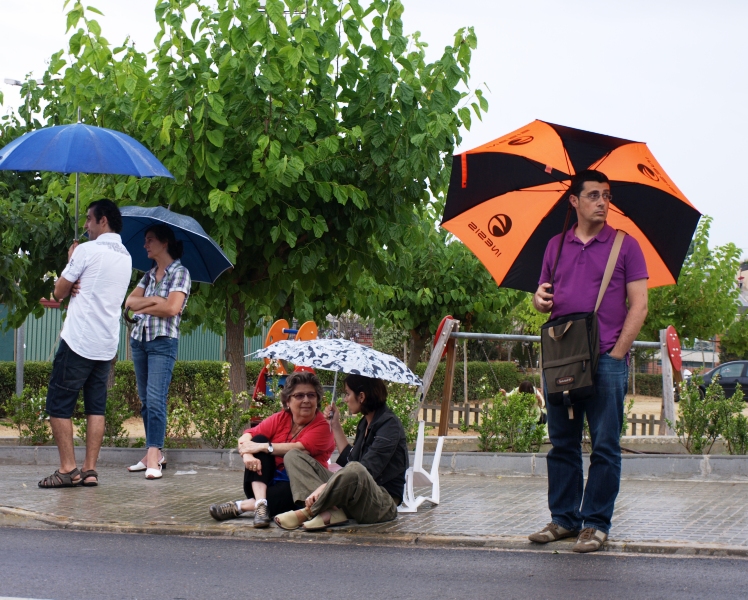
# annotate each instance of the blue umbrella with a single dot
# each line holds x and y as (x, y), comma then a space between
(202, 257)
(78, 149)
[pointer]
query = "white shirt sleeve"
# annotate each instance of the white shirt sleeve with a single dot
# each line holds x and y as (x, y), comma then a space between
(74, 269)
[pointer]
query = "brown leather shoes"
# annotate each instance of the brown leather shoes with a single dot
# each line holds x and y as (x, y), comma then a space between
(590, 540)
(551, 533)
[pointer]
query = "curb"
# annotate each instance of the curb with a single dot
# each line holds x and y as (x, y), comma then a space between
(26, 519)
(638, 466)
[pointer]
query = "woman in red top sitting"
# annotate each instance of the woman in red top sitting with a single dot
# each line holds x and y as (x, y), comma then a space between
(299, 426)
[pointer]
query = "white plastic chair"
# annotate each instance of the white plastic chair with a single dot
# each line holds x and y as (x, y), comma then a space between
(416, 476)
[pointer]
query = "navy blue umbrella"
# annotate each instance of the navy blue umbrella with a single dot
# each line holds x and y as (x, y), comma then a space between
(78, 149)
(202, 257)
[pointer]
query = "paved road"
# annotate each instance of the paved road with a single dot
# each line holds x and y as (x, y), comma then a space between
(65, 564)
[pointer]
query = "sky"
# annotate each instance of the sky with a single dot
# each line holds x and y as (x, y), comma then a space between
(670, 73)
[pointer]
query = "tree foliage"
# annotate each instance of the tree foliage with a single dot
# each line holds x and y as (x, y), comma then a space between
(435, 278)
(734, 343)
(705, 300)
(34, 233)
(303, 136)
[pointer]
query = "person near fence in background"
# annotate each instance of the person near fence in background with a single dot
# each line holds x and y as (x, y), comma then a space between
(97, 275)
(577, 510)
(526, 387)
(299, 426)
(371, 483)
(158, 302)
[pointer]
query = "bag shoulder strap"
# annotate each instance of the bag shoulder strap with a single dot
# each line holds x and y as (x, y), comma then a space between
(610, 267)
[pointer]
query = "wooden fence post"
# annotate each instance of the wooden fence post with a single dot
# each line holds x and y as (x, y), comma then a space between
(464, 369)
(668, 400)
(436, 355)
(449, 379)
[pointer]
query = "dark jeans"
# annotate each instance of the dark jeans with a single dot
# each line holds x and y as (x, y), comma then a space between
(573, 505)
(71, 373)
(279, 496)
(154, 363)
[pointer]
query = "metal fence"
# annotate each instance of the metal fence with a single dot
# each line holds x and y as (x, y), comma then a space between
(42, 336)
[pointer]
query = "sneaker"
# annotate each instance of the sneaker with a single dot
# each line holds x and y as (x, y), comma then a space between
(262, 518)
(590, 540)
(551, 533)
(222, 512)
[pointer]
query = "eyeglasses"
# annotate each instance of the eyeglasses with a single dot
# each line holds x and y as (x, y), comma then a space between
(595, 196)
(301, 396)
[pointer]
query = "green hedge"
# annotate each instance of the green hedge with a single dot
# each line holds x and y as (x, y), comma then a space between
(647, 384)
(35, 375)
(480, 375)
(489, 376)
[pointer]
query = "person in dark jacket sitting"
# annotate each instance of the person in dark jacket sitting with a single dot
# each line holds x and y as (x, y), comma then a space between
(369, 486)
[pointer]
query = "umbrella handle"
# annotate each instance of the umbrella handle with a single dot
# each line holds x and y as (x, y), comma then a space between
(334, 394)
(126, 315)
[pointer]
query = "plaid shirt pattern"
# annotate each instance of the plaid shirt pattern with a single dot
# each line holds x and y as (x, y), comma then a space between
(176, 279)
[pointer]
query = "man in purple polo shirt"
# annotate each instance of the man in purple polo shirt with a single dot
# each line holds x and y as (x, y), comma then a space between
(577, 510)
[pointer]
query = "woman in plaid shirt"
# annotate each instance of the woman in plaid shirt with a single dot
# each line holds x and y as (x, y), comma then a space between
(157, 302)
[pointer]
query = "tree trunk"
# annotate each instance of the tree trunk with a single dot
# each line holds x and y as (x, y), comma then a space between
(416, 348)
(235, 346)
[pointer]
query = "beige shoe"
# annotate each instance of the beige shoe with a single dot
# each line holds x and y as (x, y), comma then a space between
(551, 533)
(337, 517)
(290, 520)
(590, 540)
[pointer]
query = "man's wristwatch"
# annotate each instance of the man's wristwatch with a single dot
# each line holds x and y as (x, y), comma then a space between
(270, 447)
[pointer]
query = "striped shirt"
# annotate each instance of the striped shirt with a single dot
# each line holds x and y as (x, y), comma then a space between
(176, 279)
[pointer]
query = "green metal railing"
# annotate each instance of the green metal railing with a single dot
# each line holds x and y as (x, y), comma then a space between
(42, 336)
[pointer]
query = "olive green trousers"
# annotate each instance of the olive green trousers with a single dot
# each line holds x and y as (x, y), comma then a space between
(351, 489)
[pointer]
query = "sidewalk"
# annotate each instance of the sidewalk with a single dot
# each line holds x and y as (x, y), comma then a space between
(653, 516)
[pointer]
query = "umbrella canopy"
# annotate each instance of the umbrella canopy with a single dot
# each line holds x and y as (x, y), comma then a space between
(80, 148)
(343, 356)
(507, 199)
(202, 257)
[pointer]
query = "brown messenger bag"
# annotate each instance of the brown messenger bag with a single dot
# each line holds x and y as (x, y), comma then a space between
(570, 347)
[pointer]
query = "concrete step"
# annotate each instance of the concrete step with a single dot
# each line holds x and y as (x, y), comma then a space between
(634, 466)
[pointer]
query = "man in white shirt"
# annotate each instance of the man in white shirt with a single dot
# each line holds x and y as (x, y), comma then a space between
(98, 274)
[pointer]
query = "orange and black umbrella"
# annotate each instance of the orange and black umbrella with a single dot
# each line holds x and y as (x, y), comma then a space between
(507, 198)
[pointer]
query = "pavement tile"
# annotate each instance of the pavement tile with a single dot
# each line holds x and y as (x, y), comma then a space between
(646, 511)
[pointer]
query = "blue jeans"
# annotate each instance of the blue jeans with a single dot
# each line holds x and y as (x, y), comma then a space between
(154, 362)
(573, 505)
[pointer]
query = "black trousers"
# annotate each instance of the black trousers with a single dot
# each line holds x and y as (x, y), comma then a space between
(280, 498)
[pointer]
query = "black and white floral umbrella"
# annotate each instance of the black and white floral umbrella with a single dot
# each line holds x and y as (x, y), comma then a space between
(341, 356)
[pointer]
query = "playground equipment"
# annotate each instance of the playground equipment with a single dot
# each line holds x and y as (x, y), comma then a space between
(280, 330)
(417, 476)
(445, 342)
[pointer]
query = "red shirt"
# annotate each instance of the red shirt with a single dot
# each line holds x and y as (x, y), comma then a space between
(316, 437)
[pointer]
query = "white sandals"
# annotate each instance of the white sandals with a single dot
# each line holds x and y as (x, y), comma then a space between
(154, 473)
(141, 466)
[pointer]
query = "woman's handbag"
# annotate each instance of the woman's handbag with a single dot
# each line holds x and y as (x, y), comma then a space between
(570, 346)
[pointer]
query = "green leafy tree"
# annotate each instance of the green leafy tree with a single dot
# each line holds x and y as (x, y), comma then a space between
(734, 343)
(303, 135)
(435, 277)
(705, 300)
(34, 233)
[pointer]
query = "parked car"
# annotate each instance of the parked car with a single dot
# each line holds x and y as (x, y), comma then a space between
(730, 375)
